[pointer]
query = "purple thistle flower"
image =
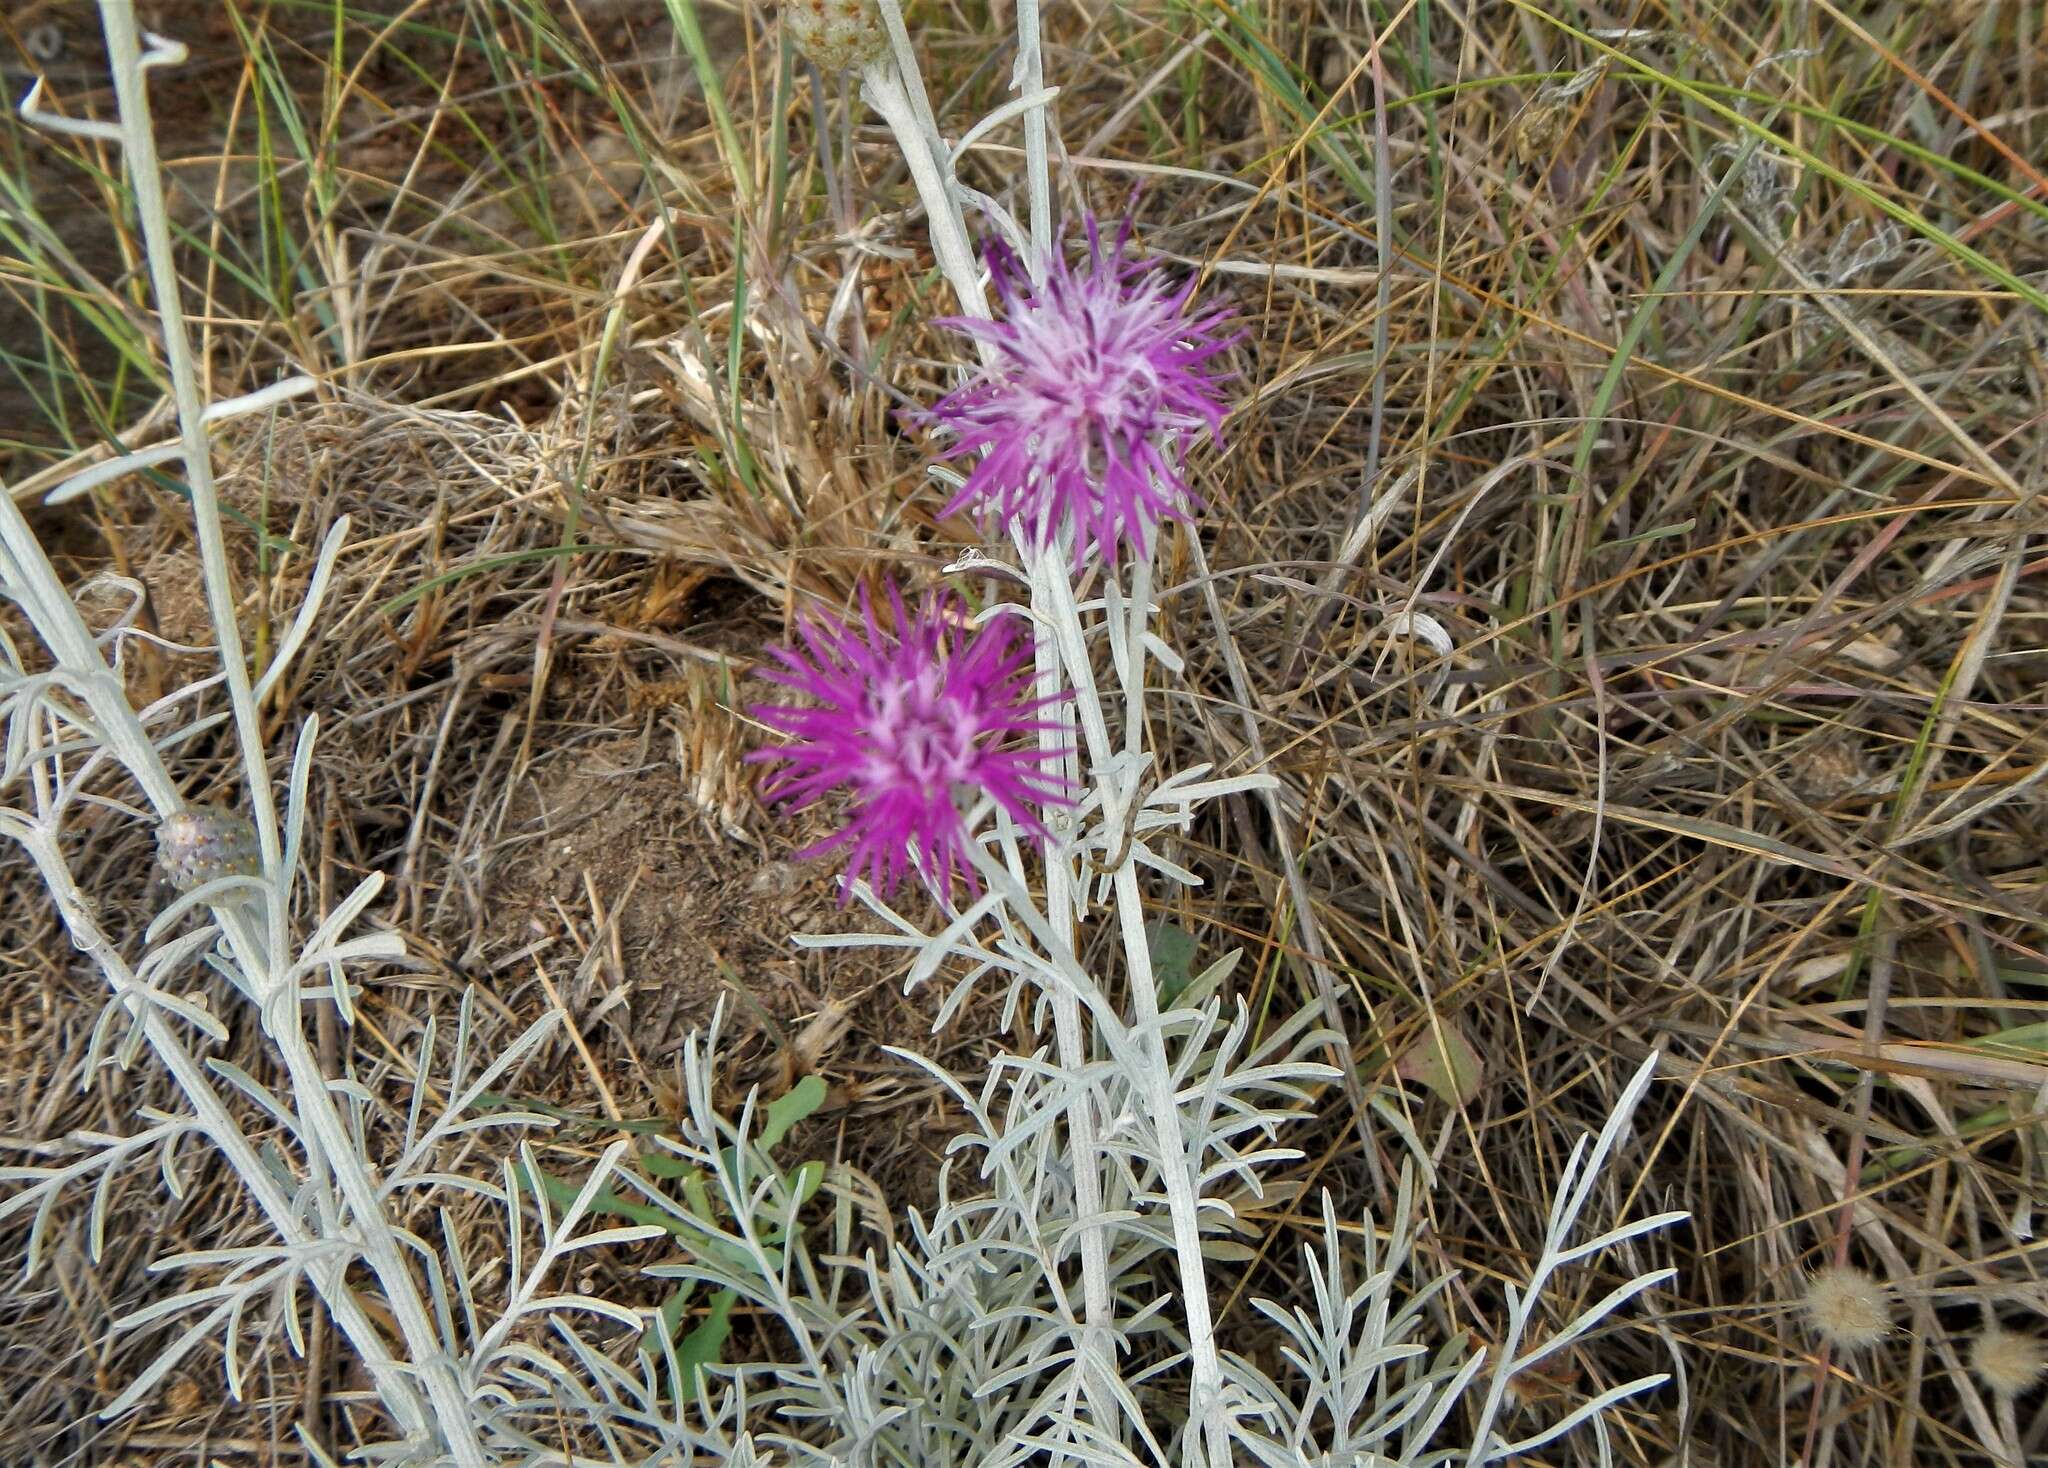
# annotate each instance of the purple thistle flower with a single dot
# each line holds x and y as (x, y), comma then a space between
(906, 723)
(1098, 381)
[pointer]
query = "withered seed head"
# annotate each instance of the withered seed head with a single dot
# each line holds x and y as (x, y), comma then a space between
(840, 35)
(1848, 1308)
(2008, 1361)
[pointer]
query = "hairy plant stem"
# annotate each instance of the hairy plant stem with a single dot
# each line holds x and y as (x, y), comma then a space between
(138, 147)
(261, 952)
(1037, 172)
(393, 1381)
(1053, 600)
(884, 88)
(1060, 649)
(891, 90)
(1062, 886)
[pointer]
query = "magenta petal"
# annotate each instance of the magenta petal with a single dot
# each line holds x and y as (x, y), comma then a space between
(909, 726)
(1102, 378)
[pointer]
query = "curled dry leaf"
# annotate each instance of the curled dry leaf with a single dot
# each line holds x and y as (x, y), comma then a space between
(821, 1036)
(1443, 1061)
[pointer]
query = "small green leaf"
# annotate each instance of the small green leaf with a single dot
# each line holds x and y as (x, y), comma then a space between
(671, 1314)
(701, 1347)
(563, 1194)
(809, 1178)
(2028, 1040)
(778, 1116)
(660, 1164)
(1173, 957)
(791, 1107)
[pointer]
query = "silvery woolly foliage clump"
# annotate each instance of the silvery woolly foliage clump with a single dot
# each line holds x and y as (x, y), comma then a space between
(1057, 1303)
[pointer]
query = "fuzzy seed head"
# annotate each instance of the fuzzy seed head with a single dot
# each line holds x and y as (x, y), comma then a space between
(1100, 380)
(912, 726)
(1848, 1308)
(2008, 1362)
(840, 35)
(204, 843)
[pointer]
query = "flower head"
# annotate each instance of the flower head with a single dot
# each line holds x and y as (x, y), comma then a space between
(1100, 377)
(907, 723)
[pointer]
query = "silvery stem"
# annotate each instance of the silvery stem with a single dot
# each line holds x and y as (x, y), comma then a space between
(1053, 601)
(888, 92)
(1072, 1036)
(138, 146)
(263, 956)
(883, 86)
(1037, 172)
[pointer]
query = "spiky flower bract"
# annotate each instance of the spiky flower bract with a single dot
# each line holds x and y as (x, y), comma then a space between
(1100, 378)
(909, 723)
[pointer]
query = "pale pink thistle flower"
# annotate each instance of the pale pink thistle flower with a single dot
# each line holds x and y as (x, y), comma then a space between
(912, 725)
(1100, 379)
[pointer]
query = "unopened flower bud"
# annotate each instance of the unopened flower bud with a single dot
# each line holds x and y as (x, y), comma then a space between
(840, 35)
(204, 843)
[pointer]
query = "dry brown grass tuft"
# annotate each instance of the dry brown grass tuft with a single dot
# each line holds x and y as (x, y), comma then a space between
(1636, 584)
